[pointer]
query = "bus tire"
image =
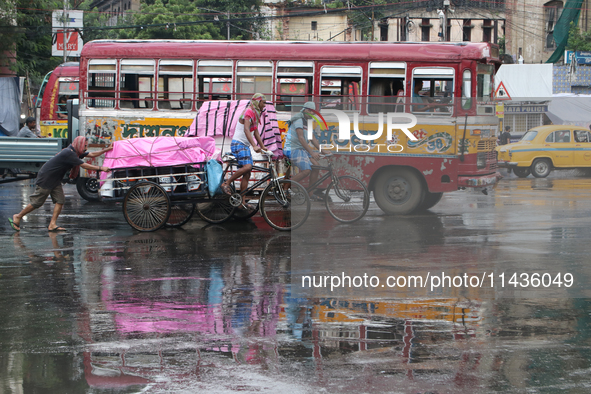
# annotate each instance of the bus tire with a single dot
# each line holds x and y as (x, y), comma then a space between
(88, 188)
(430, 200)
(541, 168)
(398, 191)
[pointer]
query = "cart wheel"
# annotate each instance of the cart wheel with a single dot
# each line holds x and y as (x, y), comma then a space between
(285, 207)
(216, 210)
(180, 213)
(347, 199)
(146, 206)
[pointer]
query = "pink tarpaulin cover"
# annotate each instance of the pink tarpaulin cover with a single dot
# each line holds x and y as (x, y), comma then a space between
(219, 118)
(159, 152)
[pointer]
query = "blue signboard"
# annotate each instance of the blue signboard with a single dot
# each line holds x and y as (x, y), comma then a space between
(582, 57)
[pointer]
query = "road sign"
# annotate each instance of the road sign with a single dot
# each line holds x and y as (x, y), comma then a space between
(501, 92)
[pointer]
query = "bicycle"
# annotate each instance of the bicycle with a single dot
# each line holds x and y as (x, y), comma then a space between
(284, 204)
(346, 197)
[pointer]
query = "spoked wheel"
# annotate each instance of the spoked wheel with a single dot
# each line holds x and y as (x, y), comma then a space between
(285, 205)
(146, 206)
(216, 210)
(180, 213)
(347, 199)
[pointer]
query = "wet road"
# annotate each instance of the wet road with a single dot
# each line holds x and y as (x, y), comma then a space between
(216, 309)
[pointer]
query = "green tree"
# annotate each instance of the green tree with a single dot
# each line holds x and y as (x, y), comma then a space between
(174, 19)
(25, 26)
(245, 19)
(577, 40)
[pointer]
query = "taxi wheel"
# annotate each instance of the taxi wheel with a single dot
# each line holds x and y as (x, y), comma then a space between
(521, 172)
(541, 168)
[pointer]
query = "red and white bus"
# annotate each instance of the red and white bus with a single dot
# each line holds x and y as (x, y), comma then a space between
(150, 88)
(61, 83)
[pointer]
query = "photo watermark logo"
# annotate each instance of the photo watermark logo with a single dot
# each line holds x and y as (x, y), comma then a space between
(344, 123)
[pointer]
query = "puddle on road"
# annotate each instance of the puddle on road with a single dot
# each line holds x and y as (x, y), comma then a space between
(214, 309)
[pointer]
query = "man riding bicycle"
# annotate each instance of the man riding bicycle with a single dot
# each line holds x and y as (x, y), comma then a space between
(298, 150)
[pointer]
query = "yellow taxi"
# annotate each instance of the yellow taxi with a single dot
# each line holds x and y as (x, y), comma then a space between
(545, 148)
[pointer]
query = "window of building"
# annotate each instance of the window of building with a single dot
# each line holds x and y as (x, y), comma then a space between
(101, 83)
(487, 30)
(467, 30)
(426, 30)
(175, 84)
(552, 11)
(294, 84)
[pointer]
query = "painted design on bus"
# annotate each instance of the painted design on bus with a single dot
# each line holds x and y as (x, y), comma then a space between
(103, 130)
(436, 143)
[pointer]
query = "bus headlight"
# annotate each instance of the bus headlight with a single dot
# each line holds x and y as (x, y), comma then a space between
(481, 160)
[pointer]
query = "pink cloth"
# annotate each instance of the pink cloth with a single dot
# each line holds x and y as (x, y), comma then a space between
(159, 152)
(219, 118)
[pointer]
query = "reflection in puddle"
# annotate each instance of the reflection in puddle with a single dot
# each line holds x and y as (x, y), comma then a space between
(213, 309)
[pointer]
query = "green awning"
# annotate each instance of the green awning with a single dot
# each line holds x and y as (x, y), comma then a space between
(570, 13)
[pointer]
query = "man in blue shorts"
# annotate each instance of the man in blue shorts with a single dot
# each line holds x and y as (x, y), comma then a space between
(243, 139)
(298, 150)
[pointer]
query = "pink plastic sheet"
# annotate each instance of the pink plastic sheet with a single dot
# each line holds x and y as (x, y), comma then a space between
(219, 118)
(159, 152)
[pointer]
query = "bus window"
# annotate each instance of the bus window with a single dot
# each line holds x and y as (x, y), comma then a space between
(484, 89)
(340, 87)
(101, 83)
(294, 85)
(175, 84)
(386, 87)
(253, 77)
(215, 80)
(137, 83)
(433, 90)
(67, 90)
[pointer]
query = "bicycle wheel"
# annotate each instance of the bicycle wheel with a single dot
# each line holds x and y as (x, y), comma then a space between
(180, 213)
(347, 199)
(146, 206)
(285, 205)
(216, 210)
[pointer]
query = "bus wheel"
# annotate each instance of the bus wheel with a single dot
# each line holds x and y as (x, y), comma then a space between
(521, 171)
(430, 200)
(88, 188)
(541, 168)
(398, 191)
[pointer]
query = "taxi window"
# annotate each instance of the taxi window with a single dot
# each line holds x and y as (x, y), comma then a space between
(562, 136)
(582, 136)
